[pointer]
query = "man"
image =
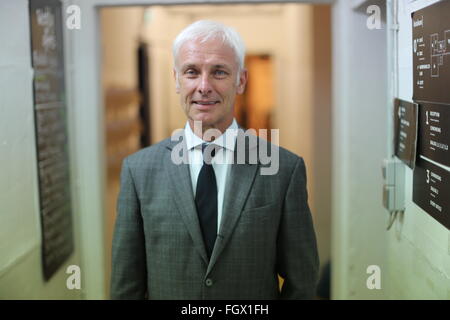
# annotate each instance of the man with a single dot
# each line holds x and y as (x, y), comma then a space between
(206, 230)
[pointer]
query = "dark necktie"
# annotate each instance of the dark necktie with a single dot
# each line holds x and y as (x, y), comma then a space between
(206, 200)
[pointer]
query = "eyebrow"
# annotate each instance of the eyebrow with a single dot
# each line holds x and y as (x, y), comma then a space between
(188, 66)
(216, 66)
(221, 66)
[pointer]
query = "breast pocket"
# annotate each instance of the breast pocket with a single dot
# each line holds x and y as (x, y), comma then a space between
(259, 214)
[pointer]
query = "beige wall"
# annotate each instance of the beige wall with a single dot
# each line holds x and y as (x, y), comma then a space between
(120, 34)
(321, 126)
(120, 38)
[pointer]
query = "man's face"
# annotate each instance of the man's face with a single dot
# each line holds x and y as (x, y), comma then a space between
(207, 74)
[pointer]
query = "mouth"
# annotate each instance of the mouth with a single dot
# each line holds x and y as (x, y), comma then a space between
(205, 102)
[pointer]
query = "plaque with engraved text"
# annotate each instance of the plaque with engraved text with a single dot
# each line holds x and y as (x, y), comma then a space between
(51, 134)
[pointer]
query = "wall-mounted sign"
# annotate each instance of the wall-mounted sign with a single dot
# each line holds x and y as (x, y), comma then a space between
(431, 190)
(431, 53)
(431, 74)
(405, 131)
(51, 133)
(434, 132)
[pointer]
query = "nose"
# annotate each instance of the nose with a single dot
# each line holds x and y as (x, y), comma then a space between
(204, 87)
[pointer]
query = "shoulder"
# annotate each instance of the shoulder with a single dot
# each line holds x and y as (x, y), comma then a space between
(289, 157)
(288, 160)
(149, 154)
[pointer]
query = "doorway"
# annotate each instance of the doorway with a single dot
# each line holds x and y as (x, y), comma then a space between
(280, 49)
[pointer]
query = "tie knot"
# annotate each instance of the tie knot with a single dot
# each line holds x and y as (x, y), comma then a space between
(208, 151)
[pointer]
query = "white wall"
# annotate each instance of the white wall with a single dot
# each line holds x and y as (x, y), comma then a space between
(414, 255)
(359, 145)
(419, 247)
(20, 232)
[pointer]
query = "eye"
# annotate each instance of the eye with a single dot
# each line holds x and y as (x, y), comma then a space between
(220, 73)
(191, 72)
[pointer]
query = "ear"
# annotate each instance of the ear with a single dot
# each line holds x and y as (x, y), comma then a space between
(242, 81)
(177, 82)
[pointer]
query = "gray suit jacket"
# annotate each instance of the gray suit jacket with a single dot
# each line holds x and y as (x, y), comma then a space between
(158, 250)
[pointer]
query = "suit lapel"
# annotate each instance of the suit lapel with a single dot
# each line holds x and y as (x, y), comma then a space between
(179, 176)
(238, 186)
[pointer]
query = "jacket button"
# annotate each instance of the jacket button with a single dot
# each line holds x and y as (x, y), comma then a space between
(209, 282)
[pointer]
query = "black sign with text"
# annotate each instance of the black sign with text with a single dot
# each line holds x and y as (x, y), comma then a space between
(431, 53)
(51, 133)
(431, 190)
(405, 131)
(434, 137)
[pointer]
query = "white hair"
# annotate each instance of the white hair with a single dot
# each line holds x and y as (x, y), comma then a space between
(205, 30)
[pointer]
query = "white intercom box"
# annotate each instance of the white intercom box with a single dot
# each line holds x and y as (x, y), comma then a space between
(394, 184)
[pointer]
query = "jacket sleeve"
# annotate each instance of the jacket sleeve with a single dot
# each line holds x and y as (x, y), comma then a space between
(297, 256)
(128, 274)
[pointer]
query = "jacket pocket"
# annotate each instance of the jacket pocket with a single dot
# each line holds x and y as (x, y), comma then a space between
(261, 213)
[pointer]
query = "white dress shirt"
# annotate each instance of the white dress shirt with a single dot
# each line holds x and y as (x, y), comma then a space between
(221, 162)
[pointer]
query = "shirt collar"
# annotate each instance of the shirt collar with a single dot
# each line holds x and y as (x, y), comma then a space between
(226, 140)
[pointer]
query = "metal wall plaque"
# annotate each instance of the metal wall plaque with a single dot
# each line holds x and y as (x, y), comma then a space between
(431, 53)
(434, 136)
(405, 131)
(431, 190)
(51, 133)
